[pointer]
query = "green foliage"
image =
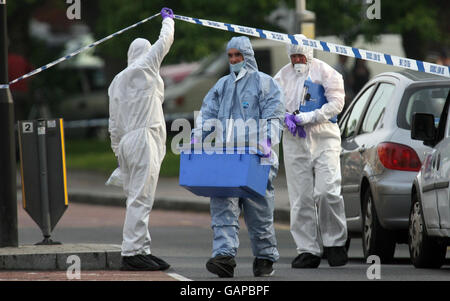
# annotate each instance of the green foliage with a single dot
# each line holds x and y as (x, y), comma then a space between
(192, 42)
(90, 154)
(426, 21)
(21, 6)
(96, 155)
(422, 24)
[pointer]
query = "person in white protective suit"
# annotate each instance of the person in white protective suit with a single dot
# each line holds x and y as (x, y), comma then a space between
(138, 138)
(311, 147)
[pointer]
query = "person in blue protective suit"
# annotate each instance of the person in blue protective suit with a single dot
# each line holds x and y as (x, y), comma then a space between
(314, 96)
(138, 138)
(244, 94)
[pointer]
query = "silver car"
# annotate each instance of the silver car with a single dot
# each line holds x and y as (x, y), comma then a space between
(379, 160)
(429, 219)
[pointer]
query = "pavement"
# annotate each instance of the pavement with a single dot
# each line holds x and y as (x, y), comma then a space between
(89, 188)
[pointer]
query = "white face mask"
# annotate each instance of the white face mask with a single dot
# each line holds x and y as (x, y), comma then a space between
(301, 69)
(237, 67)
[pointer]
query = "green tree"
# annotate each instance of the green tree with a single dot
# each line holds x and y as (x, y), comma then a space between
(424, 25)
(19, 15)
(192, 42)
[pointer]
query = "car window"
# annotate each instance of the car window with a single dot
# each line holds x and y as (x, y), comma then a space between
(429, 100)
(212, 64)
(262, 57)
(356, 113)
(97, 79)
(377, 107)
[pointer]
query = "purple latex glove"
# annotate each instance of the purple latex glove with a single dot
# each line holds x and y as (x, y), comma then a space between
(300, 131)
(166, 13)
(264, 147)
(290, 122)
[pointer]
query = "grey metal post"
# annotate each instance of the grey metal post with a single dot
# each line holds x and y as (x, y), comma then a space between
(43, 174)
(305, 19)
(8, 189)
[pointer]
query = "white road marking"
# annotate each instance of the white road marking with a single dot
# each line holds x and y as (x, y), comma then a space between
(179, 277)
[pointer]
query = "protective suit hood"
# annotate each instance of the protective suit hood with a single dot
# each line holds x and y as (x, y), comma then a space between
(245, 47)
(301, 69)
(137, 48)
(300, 49)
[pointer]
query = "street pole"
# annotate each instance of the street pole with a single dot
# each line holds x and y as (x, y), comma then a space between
(8, 189)
(305, 19)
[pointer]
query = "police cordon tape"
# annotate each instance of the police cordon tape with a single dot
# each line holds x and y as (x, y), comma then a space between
(103, 122)
(377, 57)
(69, 56)
(373, 56)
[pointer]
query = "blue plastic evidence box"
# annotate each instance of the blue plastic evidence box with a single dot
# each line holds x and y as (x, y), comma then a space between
(236, 172)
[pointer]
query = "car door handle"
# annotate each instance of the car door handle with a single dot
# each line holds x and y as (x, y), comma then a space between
(438, 161)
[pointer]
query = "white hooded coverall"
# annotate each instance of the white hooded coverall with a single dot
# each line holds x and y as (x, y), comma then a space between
(312, 163)
(138, 133)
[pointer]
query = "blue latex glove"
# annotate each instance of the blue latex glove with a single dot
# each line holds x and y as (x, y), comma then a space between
(290, 122)
(300, 131)
(265, 148)
(166, 13)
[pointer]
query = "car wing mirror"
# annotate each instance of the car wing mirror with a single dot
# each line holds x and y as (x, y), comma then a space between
(422, 128)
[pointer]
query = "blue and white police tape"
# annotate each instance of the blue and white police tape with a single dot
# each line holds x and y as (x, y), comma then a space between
(275, 36)
(66, 57)
(325, 46)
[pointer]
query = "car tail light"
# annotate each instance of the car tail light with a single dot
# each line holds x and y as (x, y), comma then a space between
(398, 156)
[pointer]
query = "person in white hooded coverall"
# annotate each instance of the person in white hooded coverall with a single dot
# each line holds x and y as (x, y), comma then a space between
(138, 138)
(312, 160)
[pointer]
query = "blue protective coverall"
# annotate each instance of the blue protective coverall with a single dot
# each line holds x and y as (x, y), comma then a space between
(249, 95)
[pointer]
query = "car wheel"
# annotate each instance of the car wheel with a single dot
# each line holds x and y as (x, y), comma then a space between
(376, 240)
(424, 251)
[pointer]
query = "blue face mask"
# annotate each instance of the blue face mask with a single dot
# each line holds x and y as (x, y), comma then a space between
(237, 67)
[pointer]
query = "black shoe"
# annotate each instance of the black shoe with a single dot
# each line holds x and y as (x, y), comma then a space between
(262, 267)
(162, 264)
(306, 261)
(337, 256)
(221, 265)
(139, 263)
